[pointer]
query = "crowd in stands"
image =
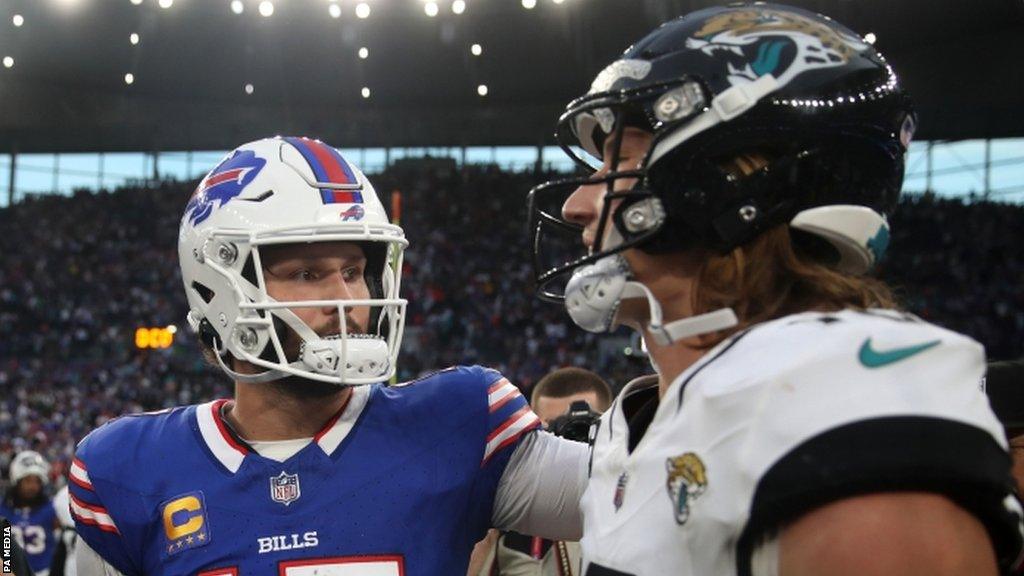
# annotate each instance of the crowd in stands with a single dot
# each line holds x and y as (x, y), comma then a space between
(79, 274)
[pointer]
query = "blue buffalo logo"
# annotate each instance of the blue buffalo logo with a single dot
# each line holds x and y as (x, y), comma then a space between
(224, 183)
(353, 213)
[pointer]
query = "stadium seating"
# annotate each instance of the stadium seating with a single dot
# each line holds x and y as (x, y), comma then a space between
(79, 274)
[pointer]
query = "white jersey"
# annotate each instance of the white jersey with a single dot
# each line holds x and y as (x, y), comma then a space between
(784, 417)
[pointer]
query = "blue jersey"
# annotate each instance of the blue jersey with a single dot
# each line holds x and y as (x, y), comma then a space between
(33, 528)
(401, 481)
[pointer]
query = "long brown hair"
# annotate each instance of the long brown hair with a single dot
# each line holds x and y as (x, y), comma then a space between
(772, 276)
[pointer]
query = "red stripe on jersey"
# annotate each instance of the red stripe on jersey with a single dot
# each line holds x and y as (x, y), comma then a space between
(87, 506)
(91, 522)
(508, 398)
(226, 571)
(81, 483)
(223, 429)
(511, 420)
(76, 463)
(334, 419)
(510, 440)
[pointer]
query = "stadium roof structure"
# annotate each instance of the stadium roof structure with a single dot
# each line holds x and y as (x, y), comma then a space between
(66, 89)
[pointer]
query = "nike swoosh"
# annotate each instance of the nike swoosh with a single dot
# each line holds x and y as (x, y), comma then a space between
(872, 358)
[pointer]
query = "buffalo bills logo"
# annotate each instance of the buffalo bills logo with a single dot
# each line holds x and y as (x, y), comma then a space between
(353, 213)
(225, 182)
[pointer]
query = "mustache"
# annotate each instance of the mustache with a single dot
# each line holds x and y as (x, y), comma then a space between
(352, 326)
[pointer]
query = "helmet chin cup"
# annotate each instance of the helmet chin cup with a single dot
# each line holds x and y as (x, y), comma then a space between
(593, 293)
(350, 358)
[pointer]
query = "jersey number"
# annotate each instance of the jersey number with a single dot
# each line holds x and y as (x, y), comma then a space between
(31, 538)
(345, 566)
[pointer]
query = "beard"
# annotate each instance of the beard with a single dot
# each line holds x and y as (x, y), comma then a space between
(298, 387)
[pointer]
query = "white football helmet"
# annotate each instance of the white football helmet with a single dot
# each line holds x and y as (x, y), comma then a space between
(288, 191)
(29, 463)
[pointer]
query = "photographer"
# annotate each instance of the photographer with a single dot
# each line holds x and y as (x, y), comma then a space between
(568, 401)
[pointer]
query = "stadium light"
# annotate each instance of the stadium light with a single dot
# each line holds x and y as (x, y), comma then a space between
(482, 89)
(334, 10)
(459, 6)
(266, 8)
(365, 92)
(430, 9)
(363, 10)
(476, 49)
(165, 4)
(136, 2)
(364, 53)
(529, 4)
(18, 20)
(249, 88)
(134, 38)
(129, 78)
(8, 62)
(870, 38)
(558, 1)
(237, 6)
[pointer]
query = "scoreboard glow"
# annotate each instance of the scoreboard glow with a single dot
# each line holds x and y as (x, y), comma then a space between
(155, 338)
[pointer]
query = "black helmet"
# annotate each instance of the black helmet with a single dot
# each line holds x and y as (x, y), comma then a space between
(807, 93)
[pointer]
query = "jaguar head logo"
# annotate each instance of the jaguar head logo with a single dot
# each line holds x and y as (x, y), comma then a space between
(785, 44)
(687, 480)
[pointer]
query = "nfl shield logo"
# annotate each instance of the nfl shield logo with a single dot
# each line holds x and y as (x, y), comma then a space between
(284, 488)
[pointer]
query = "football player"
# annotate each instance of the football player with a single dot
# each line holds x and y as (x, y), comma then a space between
(292, 272)
(29, 509)
(745, 161)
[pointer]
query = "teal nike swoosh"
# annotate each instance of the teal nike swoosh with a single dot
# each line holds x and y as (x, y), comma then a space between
(872, 358)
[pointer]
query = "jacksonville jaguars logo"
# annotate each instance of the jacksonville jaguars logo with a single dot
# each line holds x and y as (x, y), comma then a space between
(224, 183)
(758, 42)
(687, 480)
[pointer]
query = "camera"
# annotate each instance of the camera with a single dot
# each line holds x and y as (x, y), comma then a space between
(575, 424)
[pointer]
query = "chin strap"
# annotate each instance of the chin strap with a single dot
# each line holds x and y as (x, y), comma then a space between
(267, 376)
(594, 293)
(665, 334)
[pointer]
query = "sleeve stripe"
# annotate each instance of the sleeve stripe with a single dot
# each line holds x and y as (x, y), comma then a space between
(524, 424)
(500, 383)
(518, 414)
(92, 515)
(79, 476)
(495, 406)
